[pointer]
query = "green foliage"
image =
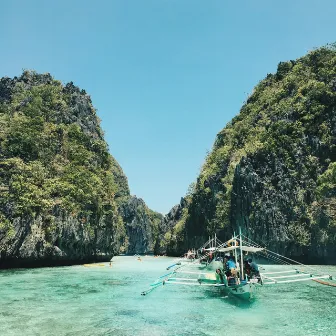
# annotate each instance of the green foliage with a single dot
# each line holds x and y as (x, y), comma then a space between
(7, 231)
(327, 182)
(155, 219)
(53, 156)
(271, 164)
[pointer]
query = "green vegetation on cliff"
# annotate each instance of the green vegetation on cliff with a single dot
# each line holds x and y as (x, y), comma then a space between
(53, 159)
(272, 168)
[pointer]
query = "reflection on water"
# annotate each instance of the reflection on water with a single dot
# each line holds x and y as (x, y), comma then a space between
(106, 300)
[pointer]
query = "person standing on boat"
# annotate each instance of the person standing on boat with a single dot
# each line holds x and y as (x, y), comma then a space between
(226, 265)
(229, 264)
(220, 276)
(254, 268)
(231, 270)
(247, 269)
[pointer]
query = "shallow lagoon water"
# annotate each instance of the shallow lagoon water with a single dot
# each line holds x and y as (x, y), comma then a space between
(105, 300)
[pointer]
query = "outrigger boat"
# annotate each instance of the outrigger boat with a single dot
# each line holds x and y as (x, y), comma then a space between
(201, 257)
(239, 282)
(206, 252)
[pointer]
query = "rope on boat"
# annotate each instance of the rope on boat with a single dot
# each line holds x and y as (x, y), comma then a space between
(268, 256)
(276, 256)
(210, 241)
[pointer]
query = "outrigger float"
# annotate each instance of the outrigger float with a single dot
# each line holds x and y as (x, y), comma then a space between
(209, 270)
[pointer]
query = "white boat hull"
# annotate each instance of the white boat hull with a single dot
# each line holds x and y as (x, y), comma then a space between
(243, 291)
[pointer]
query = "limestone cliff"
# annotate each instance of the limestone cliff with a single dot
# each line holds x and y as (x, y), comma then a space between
(60, 189)
(142, 226)
(272, 169)
(166, 242)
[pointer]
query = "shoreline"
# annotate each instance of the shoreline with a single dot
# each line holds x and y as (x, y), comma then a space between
(44, 263)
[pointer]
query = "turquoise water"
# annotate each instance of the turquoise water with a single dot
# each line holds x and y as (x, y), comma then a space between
(106, 300)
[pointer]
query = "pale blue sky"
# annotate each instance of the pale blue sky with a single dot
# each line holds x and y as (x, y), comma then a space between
(165, 75)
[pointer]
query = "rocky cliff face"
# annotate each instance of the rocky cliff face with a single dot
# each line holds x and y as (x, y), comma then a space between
(141, 226)
(60, 189)
(165, 244)
(272, 169)
(34, 243)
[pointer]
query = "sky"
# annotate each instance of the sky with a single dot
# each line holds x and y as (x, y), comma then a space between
(165, 75)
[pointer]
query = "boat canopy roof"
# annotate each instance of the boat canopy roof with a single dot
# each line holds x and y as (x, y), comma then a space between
(210, 249)
(244, 248)
(227, 249)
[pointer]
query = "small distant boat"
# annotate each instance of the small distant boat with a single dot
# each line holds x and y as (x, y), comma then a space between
(237, 277)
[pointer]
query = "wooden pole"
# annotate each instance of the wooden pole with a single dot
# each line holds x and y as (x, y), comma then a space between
(241, 255)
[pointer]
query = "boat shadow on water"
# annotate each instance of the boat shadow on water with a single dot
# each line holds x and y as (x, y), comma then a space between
(229, 299)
